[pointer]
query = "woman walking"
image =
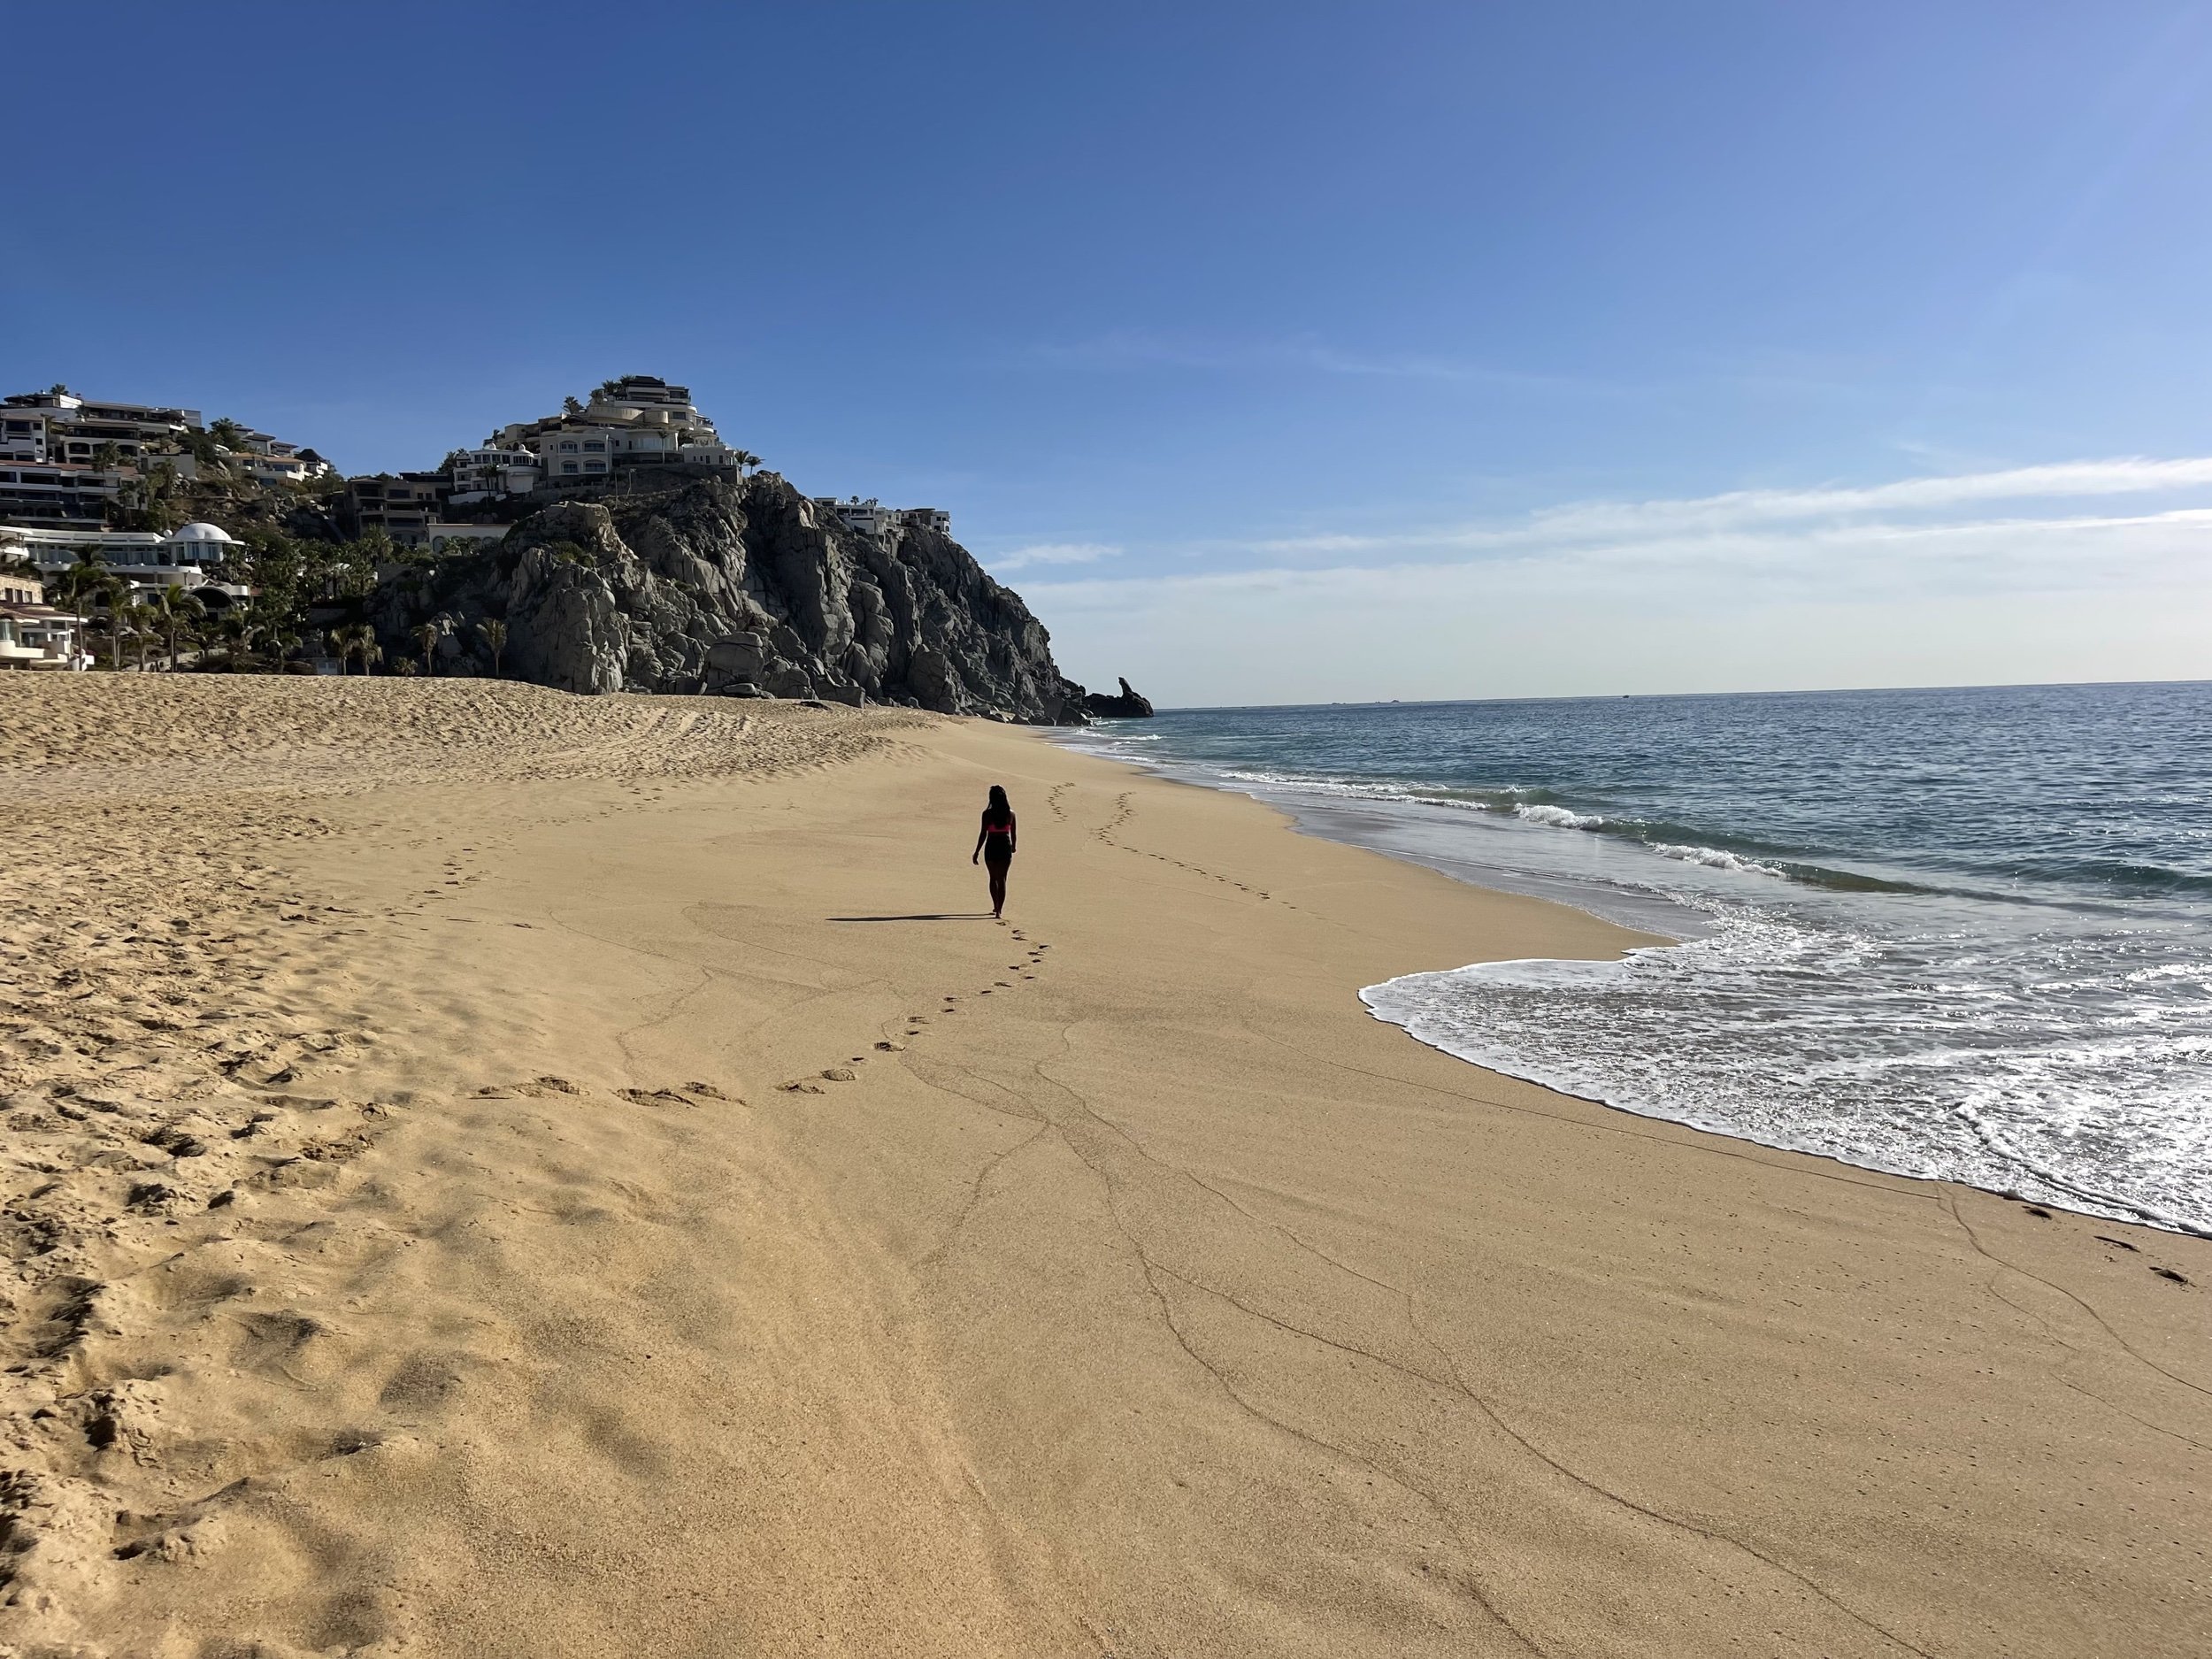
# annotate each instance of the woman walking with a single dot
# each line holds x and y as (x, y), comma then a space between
(995, 845)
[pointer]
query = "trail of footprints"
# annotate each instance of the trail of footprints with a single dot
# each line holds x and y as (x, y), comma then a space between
(1032, 955)
(1125, 809)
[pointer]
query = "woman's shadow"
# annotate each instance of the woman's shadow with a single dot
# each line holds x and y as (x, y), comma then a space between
(929, 916)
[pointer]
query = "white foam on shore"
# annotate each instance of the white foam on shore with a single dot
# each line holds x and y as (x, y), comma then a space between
(1814, 1039)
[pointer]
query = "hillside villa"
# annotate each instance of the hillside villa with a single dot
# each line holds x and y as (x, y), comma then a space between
(32, 633)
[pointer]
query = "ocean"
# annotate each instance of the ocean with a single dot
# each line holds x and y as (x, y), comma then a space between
(1959, 934)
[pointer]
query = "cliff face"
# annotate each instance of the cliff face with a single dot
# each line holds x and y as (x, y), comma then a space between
(739, 590)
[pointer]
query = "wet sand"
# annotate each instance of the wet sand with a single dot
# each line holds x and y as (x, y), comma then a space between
(495, 1173)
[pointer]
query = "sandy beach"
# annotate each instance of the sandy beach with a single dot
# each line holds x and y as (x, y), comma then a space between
(491, 1172)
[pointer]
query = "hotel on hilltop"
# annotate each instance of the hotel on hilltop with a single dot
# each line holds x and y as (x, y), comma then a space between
(630, 427)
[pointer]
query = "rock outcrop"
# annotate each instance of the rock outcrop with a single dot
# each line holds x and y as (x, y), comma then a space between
(737, 589)
(1104, 705)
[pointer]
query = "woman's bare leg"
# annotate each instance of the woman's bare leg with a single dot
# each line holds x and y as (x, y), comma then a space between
(998, 888)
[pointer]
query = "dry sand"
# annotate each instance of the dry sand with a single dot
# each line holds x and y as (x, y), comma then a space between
(493, 1173)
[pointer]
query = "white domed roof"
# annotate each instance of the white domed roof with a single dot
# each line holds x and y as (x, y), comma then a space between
(200, 533)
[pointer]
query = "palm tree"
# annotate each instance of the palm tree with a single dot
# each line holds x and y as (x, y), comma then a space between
(425, 637)
(745, 458)
(235, 634)
(495, 635)
(340, 643)
(145, 621)
(110, 591)
(177, 611)
(88, 576)
(358, 640)
(113, 626)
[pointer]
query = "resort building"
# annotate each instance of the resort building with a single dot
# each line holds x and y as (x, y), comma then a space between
(32, 633)
(637, 421)
(871, 517)
(135, 554)
(401, 505)
(58, 493)
(868, 517)
(489, 473)
(190, 557)
(61, 426)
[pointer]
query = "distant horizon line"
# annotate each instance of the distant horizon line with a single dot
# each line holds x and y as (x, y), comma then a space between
(1653, 697)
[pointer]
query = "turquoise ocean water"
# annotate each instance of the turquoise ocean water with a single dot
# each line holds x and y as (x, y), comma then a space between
(1964, 933)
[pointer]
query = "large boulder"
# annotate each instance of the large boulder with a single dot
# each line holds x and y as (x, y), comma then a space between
(1102, 705)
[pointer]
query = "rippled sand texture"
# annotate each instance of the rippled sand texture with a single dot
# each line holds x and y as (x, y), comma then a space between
(494, 1174)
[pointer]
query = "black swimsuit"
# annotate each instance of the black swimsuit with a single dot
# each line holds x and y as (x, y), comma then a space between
(997, 851)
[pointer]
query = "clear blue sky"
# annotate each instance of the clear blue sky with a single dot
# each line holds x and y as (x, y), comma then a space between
(1272, 351)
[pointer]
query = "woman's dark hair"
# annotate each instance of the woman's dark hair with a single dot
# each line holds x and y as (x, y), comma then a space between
(998, 799)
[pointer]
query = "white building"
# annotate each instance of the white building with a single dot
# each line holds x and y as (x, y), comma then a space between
(575, 452)
(58, 493)
(483, 474)
(868, 517)
(61, 426)
(637, 421)
(872, 517)
(132, 554)
(33, 634)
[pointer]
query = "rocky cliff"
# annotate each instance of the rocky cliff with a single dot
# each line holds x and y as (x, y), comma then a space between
(733, 588)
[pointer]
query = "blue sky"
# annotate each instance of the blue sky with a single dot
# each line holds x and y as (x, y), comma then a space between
(1273, 352)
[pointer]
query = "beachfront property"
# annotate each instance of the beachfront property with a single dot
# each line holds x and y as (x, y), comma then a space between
(32, 633)
(189, 558)
(871, 517)
(194, 549)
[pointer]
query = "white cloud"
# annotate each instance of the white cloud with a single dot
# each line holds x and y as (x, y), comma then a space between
(1913, 581)
(1053, 553)
(1576, 522)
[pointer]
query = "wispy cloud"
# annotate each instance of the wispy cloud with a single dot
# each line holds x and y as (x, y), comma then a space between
(2079, 570)
(1897, 505)
(1053, 553)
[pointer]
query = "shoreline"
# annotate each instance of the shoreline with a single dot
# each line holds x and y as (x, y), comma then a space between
(1333, 819)
(669, 1215)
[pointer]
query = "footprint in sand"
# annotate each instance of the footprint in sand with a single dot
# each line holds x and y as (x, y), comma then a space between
(841, 1074)
(652, 1097)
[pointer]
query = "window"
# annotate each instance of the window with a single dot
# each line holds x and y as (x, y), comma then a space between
(568, 466)
(591, 445)
(568, 446)
(594, 466)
